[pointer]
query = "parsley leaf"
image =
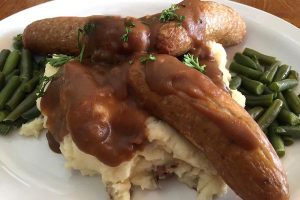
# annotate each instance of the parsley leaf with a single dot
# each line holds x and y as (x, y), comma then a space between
(128, 29)
(58, 60)
(124, 37)
(130, 62)
(43, 84)
(147, 58)
(193, 62)
(170, 15)
(18, 42)
(81, 33)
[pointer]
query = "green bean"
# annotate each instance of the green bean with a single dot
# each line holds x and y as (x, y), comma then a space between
(16, 98)
(3, 114)
(293, 101)
(268, 91)
(252, 86)
(42, 61)
(272, 127)
(270, 115)
(279, 130)
(293, 75)
(11, 62)
(5, 129)
(17, 123)
(292, 131)
(246, 71)
(282, 72)
(281, 97)
(38, 73)
(288, 117)
(245, 61)
(9, 90)
(269, 60)
(26, 65)
(255, 59)
(282, 85)
(3, 56)
(262, 100)
(235, 83)
(277, 144)
(256, 112)
(244, 92)
(35, 66)
(2, 80)
(24, 106)
(268, 75)
(287, 140)
(31, 84)
(31, 113)
(16, 72)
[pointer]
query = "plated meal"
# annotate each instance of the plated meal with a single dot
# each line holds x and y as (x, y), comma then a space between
(137, 100)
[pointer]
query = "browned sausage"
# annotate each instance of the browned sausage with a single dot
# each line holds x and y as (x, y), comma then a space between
(54, 35)
(210, 119)
(203, 21)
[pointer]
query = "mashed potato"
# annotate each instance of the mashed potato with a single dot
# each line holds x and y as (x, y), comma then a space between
(33, 128)
(167, 153)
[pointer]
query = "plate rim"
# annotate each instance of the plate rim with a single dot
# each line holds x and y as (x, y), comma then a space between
(291, 31)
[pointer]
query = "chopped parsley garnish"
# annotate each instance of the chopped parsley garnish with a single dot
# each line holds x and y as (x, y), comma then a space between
(18, 37)
(130, 62)
(43, 84)
(58, 60)
(193, 62)
(82, 32)
(128, 29)
(170, 15)
(147, 58)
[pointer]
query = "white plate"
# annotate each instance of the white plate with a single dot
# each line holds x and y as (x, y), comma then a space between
(30, 171)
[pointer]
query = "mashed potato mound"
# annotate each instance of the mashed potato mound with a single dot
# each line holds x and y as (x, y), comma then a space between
(167, 153)
(33, 128)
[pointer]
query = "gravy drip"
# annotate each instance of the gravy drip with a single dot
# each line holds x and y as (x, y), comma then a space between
(53, 144)
(213, 72)
(93, 105)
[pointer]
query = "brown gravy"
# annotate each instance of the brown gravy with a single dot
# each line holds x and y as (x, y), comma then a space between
(93, 105)
(53, 144)
(214, 73)
(105, 43)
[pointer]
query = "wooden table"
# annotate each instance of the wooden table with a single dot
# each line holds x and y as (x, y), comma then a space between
(286, 9)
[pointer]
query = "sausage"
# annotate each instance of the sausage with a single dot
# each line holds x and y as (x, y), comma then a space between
(203, 21)
(211, 120)
(54, 35)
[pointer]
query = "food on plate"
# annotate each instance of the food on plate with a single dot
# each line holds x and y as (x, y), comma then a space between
(269, 96)
(209, 118)
(120, 104)
(202, 20)
(158, 152)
